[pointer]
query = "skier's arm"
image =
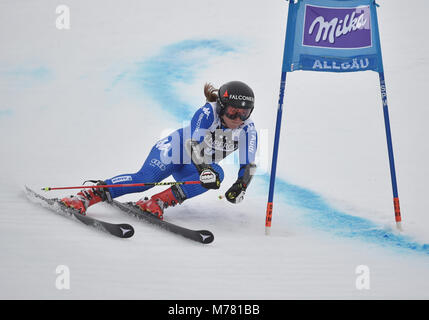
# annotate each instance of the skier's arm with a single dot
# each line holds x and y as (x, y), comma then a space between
(247, 149)
(208, 176)
(200, 123)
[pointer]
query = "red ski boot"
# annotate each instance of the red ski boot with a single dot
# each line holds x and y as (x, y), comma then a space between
(158, 202)
(86, 198)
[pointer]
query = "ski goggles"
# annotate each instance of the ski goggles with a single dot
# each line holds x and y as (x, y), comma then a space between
(234, 113)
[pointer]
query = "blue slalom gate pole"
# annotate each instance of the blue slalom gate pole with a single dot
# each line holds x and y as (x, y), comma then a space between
(269, 213)
(390, 151)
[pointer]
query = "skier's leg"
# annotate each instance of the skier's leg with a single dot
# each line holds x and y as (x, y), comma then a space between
(177, 193)
(188, 172)
(160, 163)
(154, 169)
(170, 152)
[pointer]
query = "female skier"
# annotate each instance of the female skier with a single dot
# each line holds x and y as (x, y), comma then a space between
(217, 129)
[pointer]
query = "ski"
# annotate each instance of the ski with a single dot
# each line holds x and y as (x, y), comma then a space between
(122, 230)
(202, 236)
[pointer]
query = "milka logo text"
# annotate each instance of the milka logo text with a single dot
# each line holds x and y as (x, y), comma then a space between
(345, 28)
(336, 28)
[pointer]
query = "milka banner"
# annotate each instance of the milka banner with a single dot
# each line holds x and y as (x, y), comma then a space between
(333, 36)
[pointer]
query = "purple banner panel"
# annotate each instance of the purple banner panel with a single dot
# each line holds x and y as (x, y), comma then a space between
(337, 28)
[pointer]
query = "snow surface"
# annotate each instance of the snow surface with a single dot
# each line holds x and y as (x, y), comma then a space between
(89, 103)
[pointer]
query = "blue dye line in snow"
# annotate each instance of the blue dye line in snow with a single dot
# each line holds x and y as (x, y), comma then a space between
(38, 73)
(179, 63)
(317, 213)
(6, 112)
(22, 77)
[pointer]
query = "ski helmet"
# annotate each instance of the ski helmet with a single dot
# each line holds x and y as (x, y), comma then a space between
(236, 99)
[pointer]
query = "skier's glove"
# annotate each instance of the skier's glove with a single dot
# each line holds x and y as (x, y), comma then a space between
(209, 178)
(235, 194)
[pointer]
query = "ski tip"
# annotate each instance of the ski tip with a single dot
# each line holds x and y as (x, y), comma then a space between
(127, 230)
(206, 236)
(46, 189)
(28, 191)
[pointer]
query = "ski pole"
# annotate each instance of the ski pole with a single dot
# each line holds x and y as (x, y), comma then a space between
(123, 185)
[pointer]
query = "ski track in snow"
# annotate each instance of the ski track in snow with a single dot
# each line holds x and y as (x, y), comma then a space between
(158, 76)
